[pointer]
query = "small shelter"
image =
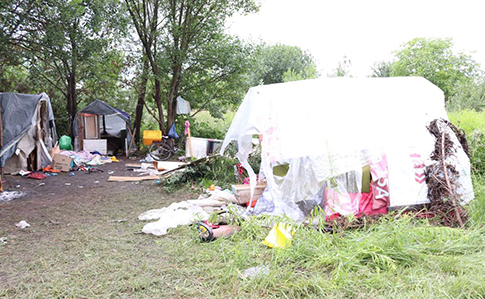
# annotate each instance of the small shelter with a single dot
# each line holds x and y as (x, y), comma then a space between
(99, 126)
(351, 145)
(27, 131)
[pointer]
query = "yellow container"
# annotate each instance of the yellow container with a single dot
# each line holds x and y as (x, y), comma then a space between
(149, 136)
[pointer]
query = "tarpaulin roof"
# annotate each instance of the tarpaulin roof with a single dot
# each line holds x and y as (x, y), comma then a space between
(18, 117)
(323, 128)
(101, 108)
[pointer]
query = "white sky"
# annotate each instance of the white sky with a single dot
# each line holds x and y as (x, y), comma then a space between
(365, 31)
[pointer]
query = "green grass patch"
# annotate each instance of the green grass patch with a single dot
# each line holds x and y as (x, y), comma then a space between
(94, 257)
(468, 120)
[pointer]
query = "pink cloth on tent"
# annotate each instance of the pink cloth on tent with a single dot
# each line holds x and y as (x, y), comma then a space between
(342, 203)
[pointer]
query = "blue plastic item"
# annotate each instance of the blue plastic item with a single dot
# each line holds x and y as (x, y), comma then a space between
(172, 133)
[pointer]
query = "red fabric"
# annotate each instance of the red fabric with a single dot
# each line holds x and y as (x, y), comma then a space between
(36, 176)
(252, 204)
(366, 204)
(332, 217)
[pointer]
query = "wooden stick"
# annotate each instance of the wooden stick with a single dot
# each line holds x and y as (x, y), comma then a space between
(132, 179)
(190, 143)
(450, 190)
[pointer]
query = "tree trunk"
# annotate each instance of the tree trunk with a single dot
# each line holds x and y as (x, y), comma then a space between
(158, 100)
(71, 100)
(141, 102)
(172, 97)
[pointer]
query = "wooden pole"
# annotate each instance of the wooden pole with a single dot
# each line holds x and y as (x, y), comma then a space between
(190, 143)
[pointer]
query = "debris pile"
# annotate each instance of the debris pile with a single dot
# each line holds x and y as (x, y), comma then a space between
(442, 176)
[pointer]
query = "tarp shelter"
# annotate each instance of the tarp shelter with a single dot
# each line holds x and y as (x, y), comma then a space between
(28, 131)
(321, 138)
(100, 120)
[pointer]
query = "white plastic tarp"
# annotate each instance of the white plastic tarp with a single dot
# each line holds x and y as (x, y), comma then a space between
(327, 127)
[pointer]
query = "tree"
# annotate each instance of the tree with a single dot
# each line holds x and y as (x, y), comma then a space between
(381, 69)
(188, 52)
(69, 44)
(279, 63)
(468, 95)
(343, 69)
(435, 60)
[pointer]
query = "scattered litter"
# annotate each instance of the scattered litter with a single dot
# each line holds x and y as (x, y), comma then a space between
(81, 187)
(36, 176)
(171, 218)
(3, 241)
(209, 232)
(41, 184)
(280, 236)
(22, 224)
(53, 174)
(96, 182)
(6, 196)
(186, 212)
(255, 271)
(24, 172)
(67, 184)
(18, 186)
(147, 159)
(55, 222)
(71, 173)
(111, 172)
(158, 182)
(50, 169)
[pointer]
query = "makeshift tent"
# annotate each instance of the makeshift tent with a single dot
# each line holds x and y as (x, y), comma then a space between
(28, 131)
(114, 123)
(325, 141)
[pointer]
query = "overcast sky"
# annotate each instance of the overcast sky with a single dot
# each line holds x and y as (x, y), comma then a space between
(364, 31)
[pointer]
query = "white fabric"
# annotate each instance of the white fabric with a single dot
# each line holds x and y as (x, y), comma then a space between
(326, 127)
(183, 213)
(183, 107)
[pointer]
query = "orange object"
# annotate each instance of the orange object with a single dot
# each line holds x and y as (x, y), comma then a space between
(149, 136)
(253, 203)
(50, 169)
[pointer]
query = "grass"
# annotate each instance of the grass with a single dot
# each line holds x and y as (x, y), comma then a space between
(468, 120)
(93, 257)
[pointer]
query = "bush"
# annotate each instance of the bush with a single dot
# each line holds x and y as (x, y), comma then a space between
(473, 123)
(218, 170)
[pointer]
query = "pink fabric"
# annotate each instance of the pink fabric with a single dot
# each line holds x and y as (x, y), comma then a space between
(366, 204)
(187, 126)
(342, 203)
(380, 181)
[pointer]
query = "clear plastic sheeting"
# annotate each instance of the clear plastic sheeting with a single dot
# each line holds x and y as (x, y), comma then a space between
(325, 128)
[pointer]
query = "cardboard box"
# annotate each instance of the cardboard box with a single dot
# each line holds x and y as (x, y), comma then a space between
(243, 192)
(62, 163)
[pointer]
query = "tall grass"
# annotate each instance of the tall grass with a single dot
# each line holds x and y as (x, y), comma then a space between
(395, 258)
(468, 120)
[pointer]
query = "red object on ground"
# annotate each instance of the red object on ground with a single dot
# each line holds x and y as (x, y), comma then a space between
(36, 176)
(252, 204)
(211, 225)
(50, 169)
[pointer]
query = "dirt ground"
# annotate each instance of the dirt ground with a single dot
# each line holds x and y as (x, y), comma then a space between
(66, 198)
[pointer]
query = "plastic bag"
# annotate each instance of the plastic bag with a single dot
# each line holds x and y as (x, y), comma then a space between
(172, 133)
(280, 236)
(65, 143)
